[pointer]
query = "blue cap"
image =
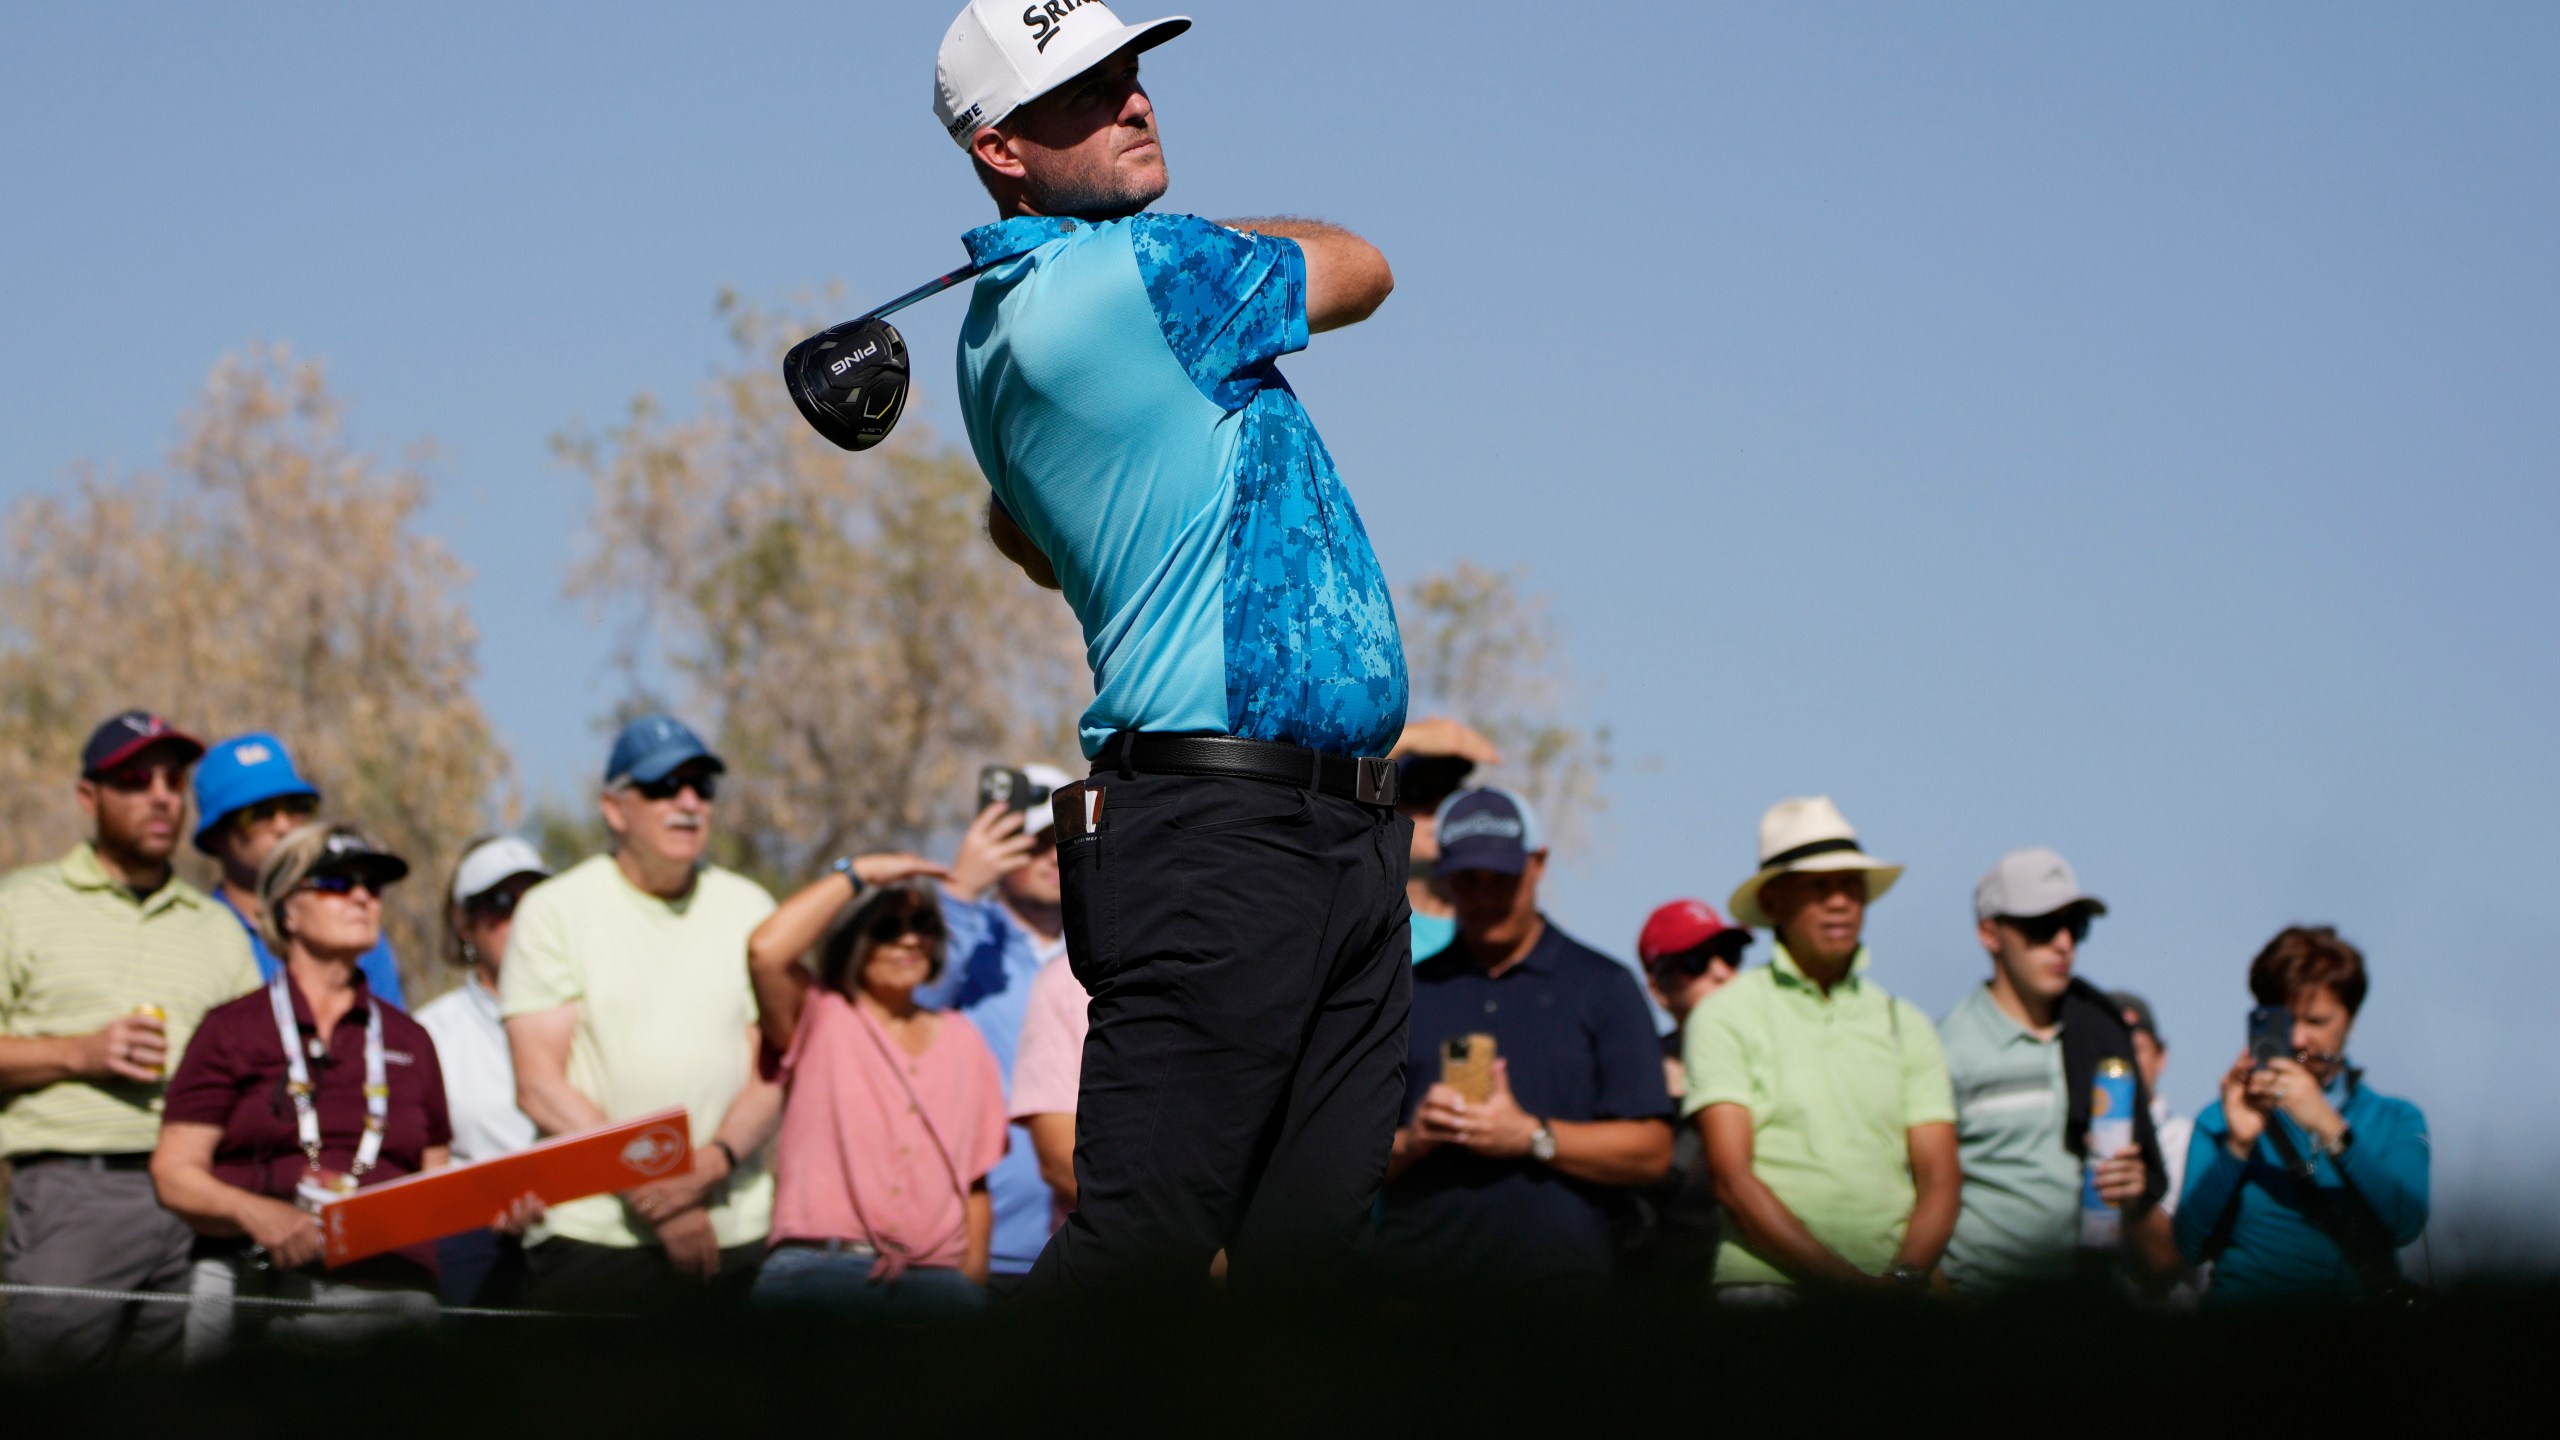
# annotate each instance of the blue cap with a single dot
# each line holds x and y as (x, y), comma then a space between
(240, 772)
(651, 746)
(1487, 829)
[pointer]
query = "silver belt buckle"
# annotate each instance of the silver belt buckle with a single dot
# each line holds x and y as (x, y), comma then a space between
(1374, 781)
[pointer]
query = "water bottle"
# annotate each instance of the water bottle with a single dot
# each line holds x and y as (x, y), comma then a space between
(2110, 1130)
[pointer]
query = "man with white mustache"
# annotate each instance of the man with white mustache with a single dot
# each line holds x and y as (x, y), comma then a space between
(624, 991)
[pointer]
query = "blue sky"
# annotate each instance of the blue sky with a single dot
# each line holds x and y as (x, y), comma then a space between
(2028, 424)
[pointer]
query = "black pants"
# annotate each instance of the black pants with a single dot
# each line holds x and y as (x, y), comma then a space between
(1247, 949)
(566, 1274)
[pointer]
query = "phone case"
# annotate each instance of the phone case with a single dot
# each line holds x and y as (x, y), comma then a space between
(1466, 1066)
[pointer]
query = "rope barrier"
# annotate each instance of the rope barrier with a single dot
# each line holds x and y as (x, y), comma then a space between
(173, 1297)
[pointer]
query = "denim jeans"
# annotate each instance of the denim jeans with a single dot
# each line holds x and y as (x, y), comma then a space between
(801, 1278)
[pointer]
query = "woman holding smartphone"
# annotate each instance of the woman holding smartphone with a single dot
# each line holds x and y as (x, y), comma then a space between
(892, 1114)
(2302, 1182)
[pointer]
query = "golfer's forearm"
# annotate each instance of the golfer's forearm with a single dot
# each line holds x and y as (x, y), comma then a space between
(1347, 278)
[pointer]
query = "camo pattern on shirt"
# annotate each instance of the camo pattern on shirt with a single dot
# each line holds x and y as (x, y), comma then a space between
(1312, 654)
(1313, 657)
(1230, 303)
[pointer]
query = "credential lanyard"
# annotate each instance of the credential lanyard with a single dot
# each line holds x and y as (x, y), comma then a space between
(306, 1112)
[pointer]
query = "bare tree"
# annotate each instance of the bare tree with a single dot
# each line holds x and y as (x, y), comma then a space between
(268, 579)
(1481, 651)
(839, 620)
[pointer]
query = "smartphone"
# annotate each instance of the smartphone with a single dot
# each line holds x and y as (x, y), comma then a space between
(2270, 1034)
(1006, 786)
(1466, 1066)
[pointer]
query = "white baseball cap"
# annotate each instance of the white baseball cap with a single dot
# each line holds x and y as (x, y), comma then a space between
(2030, 883)
(996, 57)
(492, 863)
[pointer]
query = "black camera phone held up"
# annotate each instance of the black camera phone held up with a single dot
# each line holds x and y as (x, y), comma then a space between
(2270, 1034)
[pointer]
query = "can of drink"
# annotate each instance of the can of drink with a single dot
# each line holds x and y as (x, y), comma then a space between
(2110, 1130)
(146, 1008)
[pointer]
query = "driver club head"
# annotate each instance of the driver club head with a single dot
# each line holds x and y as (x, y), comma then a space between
(850, 381)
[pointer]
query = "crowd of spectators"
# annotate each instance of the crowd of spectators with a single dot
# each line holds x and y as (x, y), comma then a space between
(882, 1074)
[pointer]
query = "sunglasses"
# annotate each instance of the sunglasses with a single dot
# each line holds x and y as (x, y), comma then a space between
(498, 904)
(922, 924)
(137, 779)
(1694, 962)
(343, 883)
(667, 787)
(2042, 929)
(297, 806)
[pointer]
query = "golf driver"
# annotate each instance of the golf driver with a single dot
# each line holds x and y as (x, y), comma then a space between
(850, 380)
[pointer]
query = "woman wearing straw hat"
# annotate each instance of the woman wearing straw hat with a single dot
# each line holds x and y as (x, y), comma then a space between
(1829, 1122)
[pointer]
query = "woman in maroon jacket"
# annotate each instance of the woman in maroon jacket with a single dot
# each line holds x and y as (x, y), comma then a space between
(305, 1089)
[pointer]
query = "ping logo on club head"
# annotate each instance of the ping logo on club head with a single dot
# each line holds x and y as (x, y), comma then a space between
(847, 362)
(654, 1151)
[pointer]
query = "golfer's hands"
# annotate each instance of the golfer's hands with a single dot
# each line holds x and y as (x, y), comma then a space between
(2121, 1177)
(1440, 735)
(690, 1245)
(132, 1047)
(523, 1215)
(2243, 1118)
(993, 847)
(289, 1233)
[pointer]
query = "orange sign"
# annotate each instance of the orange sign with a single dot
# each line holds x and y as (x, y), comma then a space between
(418, 1208)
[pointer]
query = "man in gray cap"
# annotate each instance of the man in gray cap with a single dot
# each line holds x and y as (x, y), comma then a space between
(2024, 1051)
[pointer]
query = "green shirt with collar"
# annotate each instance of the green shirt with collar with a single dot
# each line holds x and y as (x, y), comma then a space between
(78, 951)
(1835, 1083)
(2020, 1224)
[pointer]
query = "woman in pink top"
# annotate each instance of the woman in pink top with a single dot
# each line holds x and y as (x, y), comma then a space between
(892, 1116)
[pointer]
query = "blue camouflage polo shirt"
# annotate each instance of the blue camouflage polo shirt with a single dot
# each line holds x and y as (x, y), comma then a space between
(1119, 384)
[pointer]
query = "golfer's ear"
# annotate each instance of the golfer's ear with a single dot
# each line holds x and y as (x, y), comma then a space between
(990, 147)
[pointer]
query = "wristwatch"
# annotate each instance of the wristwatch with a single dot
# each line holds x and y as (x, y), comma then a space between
(2346, 1137)
(1542, 1144)
(844, 867)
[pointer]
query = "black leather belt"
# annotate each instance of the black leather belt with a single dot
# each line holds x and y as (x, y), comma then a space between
(1368, 780)
(133, 1160)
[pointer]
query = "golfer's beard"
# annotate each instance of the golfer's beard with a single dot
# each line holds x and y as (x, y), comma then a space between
(1106, 196)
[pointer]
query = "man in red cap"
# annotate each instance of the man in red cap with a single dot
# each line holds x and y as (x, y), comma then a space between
(1688, 953)
(107, 961)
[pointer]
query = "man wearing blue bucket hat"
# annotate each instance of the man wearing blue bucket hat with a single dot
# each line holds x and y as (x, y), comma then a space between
(248, 797)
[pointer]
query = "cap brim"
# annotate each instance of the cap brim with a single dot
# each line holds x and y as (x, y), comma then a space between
(658, 764)
(184, 741)
(1493, 858)
(1745, 904)
(1146, 35)
(381, 867)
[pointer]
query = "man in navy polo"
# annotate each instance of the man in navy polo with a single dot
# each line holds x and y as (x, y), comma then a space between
(1233, 873)
(1516, 1191)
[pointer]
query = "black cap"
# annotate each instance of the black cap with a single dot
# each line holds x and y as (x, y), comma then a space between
(121, 737)
(2137, 1012)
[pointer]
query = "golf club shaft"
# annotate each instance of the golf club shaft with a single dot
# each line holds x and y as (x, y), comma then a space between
(931, 287)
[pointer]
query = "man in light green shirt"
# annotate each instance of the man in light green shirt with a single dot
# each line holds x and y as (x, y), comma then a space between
(107, 963)
(625, 991)
(2010, 1047)
(1823, 1099)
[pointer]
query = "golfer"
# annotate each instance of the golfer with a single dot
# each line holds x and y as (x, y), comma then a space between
(1234, 869)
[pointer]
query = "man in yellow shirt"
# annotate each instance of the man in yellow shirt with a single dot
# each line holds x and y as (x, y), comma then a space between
(625, 991)
(107, 961)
